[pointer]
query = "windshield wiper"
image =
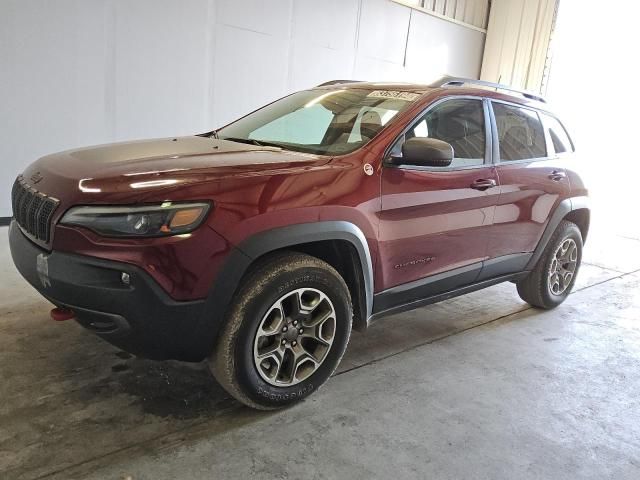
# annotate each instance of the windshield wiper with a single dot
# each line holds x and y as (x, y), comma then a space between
(238, 140)
(265, 143)
(251, 141)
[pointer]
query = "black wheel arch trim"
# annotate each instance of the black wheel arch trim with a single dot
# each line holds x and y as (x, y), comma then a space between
(565, 207)
(244, 254)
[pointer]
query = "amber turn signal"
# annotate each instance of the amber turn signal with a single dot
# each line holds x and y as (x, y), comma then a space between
(182, 218)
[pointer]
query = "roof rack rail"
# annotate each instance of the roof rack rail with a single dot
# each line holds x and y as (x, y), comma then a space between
(459, 82)
(338, 82)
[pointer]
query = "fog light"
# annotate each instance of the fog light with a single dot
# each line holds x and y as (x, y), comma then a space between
(126, 279)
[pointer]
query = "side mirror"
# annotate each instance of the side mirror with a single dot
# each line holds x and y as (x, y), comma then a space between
(425, 152)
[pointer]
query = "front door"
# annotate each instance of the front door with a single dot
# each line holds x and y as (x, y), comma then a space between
(434, 221)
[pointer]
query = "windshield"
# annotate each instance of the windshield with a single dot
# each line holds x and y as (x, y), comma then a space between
(323, 122)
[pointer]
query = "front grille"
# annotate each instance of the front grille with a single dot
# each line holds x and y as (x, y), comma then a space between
(32, 210)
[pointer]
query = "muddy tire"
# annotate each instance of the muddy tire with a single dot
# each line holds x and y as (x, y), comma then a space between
(285, 334)
(553, 277)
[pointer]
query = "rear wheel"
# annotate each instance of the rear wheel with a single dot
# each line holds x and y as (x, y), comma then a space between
(553, 277)
(286, 332)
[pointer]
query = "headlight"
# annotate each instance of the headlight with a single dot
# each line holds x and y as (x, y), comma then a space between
(143, 221)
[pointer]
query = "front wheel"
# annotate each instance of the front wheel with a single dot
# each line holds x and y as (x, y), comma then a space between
(285, 333)
(553, 277)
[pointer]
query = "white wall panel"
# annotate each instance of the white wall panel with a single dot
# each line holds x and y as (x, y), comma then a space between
(327, 64)
(272, 17)
(382, 41)
(383, 31)
(160, 70)
(52, 81)
(82, 72)
(250, 70)
(323, 42)
(435, 47)
(373, 68)
(331, 23)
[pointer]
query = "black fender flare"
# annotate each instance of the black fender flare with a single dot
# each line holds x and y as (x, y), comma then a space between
(244, 254)
(562, 210)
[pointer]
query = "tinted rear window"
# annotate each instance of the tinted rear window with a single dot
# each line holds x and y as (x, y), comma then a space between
(520, 133)
(559, 136)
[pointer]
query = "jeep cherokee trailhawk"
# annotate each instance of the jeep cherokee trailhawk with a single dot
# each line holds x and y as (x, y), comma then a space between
(261, 245)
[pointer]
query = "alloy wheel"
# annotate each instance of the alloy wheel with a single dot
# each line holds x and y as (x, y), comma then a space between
(294, 337)
(563, 266)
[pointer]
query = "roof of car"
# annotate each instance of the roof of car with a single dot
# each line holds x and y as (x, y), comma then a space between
(400, 86)
(463, 86)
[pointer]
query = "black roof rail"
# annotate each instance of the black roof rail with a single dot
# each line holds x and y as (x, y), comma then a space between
(338, 82)
(459, 82)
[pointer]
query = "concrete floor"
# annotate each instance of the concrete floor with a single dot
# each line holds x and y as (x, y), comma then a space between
(481, 386)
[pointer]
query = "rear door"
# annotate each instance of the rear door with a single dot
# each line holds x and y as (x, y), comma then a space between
(434, 220)
(533, 182)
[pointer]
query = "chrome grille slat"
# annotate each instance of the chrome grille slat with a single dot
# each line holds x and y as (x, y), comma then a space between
(24, 200)
(32, 210)
(44, 219)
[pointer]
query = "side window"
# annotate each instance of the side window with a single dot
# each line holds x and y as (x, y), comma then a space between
(557, 133)
(458, 122)
(520, 133)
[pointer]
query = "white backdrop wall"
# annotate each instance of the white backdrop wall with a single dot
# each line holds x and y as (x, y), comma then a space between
(82, 72)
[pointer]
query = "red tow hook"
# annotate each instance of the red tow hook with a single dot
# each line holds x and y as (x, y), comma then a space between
(60, 314)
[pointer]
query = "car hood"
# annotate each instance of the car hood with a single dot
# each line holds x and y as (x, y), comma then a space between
(150, 165)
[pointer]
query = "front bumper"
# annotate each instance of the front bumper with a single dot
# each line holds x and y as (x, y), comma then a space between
(138, 317)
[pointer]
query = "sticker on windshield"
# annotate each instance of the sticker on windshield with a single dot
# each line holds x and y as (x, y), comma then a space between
(409, 96)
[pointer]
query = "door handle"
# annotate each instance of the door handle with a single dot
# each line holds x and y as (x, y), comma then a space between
(483, 184)
(557, 175)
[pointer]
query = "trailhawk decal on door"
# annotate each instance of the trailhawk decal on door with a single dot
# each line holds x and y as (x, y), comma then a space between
(419, 261)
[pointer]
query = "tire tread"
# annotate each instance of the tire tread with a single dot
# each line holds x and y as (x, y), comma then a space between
(533, 288)
(221, 362)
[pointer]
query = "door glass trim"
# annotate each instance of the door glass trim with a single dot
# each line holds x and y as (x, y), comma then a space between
(496, 152)
(488, 144)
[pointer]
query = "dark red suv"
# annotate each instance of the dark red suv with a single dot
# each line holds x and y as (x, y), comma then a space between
(260, 245)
